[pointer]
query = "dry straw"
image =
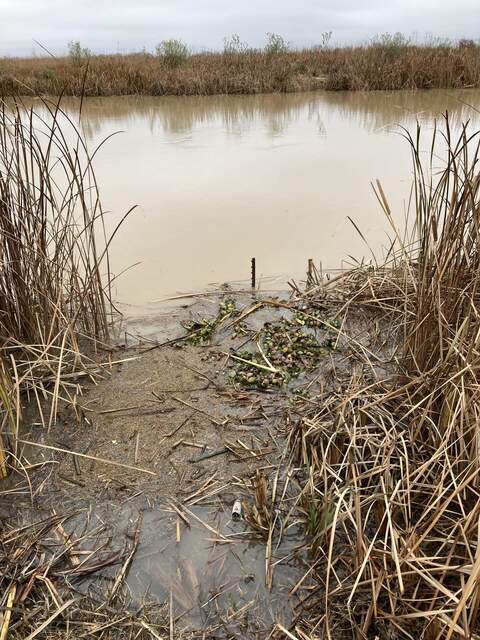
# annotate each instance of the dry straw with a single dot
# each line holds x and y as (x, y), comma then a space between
(54, 302)
(386, 63)
(392, 497)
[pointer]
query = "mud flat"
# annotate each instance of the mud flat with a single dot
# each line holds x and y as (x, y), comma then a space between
(199, 414)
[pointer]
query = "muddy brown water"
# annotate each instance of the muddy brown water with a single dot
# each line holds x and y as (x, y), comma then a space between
(209, 580)
(220, 179)
(212, 575)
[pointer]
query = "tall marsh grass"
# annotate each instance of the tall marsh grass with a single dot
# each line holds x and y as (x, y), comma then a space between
(393, 460)
(54, 280)
(387, 63)
(49, 215)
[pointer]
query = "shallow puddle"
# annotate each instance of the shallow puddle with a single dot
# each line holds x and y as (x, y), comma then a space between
(214, 574)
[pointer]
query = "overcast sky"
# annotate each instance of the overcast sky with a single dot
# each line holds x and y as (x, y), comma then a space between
(126, 25)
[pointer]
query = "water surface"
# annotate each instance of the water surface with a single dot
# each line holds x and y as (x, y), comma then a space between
(220, 179)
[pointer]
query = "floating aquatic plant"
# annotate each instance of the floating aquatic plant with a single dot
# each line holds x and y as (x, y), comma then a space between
(201, 331)
(284, 350)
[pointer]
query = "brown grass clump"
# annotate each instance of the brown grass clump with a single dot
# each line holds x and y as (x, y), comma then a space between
(388, 63)
(50, 276)
(397, 64)
(144, 74)
(393, 468)
(54, 297)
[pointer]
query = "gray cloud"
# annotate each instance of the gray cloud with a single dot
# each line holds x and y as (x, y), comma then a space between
(108, 25)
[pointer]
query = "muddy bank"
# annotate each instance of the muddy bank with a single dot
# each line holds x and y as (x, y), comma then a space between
(191, 418)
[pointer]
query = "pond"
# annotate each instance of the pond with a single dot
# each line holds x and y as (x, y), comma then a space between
(221, 179)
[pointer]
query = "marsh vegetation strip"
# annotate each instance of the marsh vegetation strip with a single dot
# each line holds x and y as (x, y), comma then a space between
(221, 179)
(387, 62)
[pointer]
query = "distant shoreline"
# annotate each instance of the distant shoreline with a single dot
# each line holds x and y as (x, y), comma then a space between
(385, 65)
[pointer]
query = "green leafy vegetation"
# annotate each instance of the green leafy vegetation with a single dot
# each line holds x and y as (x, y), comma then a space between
(276, 44)
(173, 52)
(201, 331)
(284, 350)
(78, 54)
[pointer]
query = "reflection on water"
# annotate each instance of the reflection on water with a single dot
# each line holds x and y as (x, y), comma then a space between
(371, 110)
(377, 110)
(220, 179)
(181, 115)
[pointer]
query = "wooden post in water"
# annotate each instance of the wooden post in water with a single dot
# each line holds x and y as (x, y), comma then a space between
(310, 270)
(254, 275)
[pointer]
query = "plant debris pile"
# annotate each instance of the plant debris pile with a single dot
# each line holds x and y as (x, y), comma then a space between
(281, 350)
(284, 351)
(200, 331)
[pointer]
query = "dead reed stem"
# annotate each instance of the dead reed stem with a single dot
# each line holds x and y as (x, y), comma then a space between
(54, 298)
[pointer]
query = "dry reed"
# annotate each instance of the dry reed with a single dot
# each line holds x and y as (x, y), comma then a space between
(392, 498)
(54, 303)
(387, 64)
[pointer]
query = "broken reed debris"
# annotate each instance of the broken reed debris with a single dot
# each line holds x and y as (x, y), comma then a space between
(201, 331)
(391, 492)
(282, 351)
(40, 562)
(54, 295)
(388, 62)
